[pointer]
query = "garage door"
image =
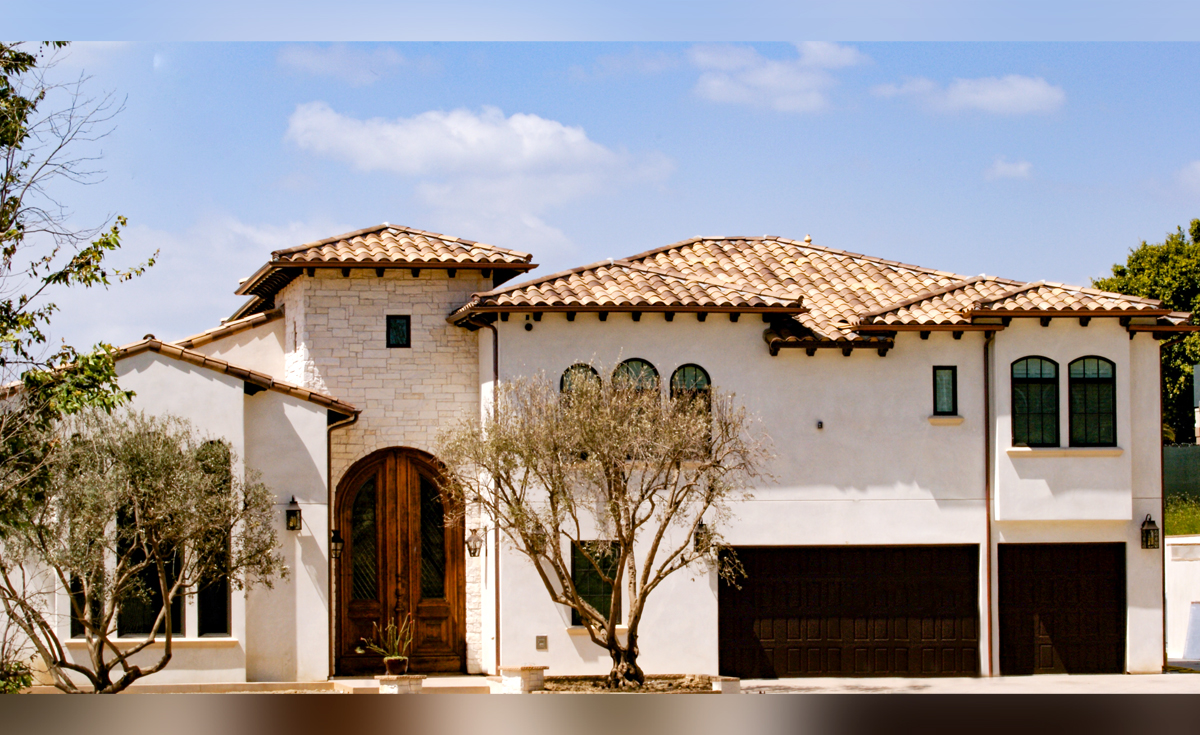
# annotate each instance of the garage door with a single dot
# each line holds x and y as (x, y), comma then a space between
(1062, 608)
(858, 611)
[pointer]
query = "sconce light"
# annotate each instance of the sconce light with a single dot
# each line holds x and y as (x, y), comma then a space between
(293, 515)
(335, 544)
(1149, 533)
(700, 538)
(474, 542)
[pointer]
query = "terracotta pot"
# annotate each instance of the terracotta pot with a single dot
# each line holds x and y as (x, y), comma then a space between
(396, 666)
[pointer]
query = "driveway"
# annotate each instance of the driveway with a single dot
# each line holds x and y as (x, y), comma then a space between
(1048, 684)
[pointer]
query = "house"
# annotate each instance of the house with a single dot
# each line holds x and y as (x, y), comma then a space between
(964, 463)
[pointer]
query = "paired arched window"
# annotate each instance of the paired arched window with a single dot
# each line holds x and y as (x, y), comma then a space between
(690, 380)
(1093, 402)
(1035, 402)
(578, 374)
(637, 373)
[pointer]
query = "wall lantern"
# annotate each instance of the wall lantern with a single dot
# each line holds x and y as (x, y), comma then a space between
(1149, 533)
(335, 544)
(293, 515)
(474, 542)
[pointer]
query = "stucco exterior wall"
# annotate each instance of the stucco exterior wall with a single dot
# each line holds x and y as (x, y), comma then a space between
(259, 348)
(1183, 589)
(335, 341)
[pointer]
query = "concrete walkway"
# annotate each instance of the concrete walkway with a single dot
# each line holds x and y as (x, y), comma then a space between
(1048, 684)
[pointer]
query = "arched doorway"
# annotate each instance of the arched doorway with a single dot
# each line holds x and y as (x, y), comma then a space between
(399, 557)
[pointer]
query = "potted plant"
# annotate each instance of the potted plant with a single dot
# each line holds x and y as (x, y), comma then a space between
(392, 643)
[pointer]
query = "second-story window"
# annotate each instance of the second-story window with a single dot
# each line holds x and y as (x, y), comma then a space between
(638, 374)
(399, 331)
(945, 390)
(1093, 402)
(1035, 402)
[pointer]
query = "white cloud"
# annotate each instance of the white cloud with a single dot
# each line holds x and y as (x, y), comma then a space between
(1189, 176)
(479, 172)
(189, 289)
(357, 65)
(1002, 169)
(740, 75)
(1009, 95)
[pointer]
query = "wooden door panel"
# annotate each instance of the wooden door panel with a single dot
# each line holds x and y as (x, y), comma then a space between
(438, 625)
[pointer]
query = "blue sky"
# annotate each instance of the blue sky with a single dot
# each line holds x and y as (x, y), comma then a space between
(1025, 160)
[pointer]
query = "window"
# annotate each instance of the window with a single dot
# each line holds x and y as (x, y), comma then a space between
(589, 581)
(364, 578)
(139, 609)
(637, 373)
(399, 332)
(1093, 402)
(212, 593)
(433, 542)
(577, 375)
(690, 380)
(945, 390)
(1035, 402)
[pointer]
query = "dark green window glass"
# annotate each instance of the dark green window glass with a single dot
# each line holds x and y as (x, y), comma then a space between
(398, 331)
(1093, 403)
(212, 596)
(576, 375)
(689, 380)
(589, 581)
(1035, 402)
(364, 584)
(139, 608)
(945, 391)
(433, 542)
(637, 373)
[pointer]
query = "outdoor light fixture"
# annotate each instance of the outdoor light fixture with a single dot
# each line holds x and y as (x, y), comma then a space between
(474, 542)
(700, 537)
(1149, 533)
(335, 544)
(293, 515)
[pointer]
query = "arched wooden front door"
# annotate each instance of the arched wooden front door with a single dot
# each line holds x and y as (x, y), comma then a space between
(399, 557)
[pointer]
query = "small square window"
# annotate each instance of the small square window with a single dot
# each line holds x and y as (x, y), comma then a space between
(945, 390)
(398, 331)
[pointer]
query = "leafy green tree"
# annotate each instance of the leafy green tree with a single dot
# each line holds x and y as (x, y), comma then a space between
(135, 514)
(1168, 271)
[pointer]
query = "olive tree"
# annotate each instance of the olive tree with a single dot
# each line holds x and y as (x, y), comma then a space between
(610, 477)
(132, 511)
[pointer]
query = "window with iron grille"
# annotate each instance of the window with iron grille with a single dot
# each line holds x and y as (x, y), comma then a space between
(1035, 402)
(1093, 398)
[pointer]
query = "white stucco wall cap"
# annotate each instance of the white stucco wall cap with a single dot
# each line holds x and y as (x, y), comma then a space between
(250, 376)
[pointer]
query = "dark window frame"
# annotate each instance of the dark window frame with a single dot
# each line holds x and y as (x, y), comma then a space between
(577, 579)
(1054, 393)
(953, 390)
(581, 368)
(677, 390)
(1073, 417)
(406, 341)
(619, 369)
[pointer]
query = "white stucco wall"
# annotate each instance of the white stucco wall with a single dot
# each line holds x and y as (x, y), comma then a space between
(288, 626)
(259, 348)
(1183, 589)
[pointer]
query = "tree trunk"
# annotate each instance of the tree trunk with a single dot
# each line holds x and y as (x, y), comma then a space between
(625, 671)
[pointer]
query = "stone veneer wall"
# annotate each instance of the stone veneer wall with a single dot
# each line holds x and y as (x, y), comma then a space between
(335, 342)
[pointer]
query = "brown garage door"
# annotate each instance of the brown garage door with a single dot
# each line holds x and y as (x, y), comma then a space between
(1062, 608)
(858, 611)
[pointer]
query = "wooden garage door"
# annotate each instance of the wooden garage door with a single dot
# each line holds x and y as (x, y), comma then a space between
(1062, 608)
(858, 611)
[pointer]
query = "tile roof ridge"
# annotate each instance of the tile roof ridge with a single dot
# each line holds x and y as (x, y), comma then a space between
(152, 344)
(399, 228)
(232, 326)
(861, 256)
(1022, 288)
(1100, 292)
(933, 293)
(692, 279)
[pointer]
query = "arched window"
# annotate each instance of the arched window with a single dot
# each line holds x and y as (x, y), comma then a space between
(689, 380)
(1093, 397)
(1035, 402)
(576, 375)
(637, 373)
